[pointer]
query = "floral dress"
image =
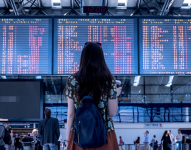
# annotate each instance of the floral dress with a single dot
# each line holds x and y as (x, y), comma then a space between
(72, 87)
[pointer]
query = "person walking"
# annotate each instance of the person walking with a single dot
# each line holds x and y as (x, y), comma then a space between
(121, 143)
(2, 135)
(167, 144)
(178, 140)
(49, 131)
(147, 139)
(172, 139)
(7, 139)
(18, 144)
(137, 143)
(153, 142)
(95, 81)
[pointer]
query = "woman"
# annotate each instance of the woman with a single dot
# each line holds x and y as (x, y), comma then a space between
(137, 143)
(94, 79)
(121, 143)
(166, 141)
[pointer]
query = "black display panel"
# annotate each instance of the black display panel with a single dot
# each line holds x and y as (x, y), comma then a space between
(25, 46)
(165, 46)
(21, 100)
(118, 38)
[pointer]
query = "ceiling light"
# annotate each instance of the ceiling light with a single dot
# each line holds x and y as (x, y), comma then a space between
(56, 4)
(38, 77)
(4, 77)
(187, 1)
(169, 81)
(136, 80)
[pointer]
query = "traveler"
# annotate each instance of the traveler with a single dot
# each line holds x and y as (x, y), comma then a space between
(154, 143)
(59, 142)
(172, 139)
(7, 138)
(147, 139)
(93, 79)
(35, 133)
(167, 144)
(12, 139)
(121, 143)
(2, 135)
(178, 140)
(49, 131)
(18, 144)
(137, 143)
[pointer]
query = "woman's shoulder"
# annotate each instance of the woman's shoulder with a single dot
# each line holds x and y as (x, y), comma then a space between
(72, 79)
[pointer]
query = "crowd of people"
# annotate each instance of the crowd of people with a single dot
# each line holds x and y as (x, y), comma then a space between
(167, 141)
(14, 141)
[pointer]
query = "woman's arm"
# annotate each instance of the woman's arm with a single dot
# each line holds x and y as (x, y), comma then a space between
(113, 104)
(70, 118)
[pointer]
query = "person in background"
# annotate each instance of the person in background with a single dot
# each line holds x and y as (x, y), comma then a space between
(137, 143)
(166, 141)
(12, 138)
(49, 131)
(59, 142)
(2, 135)
(178, 140)
(171, 138)
(7, 140)
(35, 132)
(147, 139)
(153, 142)
(121, 143)
(18, 143)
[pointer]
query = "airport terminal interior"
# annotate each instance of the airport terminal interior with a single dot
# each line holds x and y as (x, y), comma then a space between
(146, 45)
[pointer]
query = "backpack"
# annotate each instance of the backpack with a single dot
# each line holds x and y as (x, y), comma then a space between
(90, 130)
(7, 138)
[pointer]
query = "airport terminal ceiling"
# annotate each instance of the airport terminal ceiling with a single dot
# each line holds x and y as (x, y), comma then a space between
(148, 97)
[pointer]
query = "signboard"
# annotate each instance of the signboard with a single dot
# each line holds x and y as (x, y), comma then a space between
(153, 125)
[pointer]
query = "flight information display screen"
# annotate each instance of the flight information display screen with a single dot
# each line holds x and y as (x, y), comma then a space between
(118, 38)
(165, 46)
(25, 46)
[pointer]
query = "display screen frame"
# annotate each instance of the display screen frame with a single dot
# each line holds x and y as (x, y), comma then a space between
(41, 100)
(136, 33)
(50, 38)
(140, 42)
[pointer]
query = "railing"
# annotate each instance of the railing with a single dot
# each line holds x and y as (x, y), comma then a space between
(185, 146)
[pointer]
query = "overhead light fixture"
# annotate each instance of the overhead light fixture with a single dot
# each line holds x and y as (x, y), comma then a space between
(56, 4)
(186, 4)
(38, 77)
(4, 77)
(169, 81)
(122, 3)
(136, 80)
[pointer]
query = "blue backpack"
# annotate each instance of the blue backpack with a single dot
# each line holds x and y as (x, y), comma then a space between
(90, 130)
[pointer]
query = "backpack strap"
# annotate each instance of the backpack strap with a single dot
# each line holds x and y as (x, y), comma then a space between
(88, 98)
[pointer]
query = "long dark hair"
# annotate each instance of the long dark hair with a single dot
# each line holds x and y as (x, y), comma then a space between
(94, 75)
(165, 132)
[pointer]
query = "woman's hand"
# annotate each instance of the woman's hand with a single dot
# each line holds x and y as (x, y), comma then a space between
(66, 142)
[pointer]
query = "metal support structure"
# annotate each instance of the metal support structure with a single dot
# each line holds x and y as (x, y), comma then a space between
(156, 7)
(17, 7)
(108, 11)
(72, 10)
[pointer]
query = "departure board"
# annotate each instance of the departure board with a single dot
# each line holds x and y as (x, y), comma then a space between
(165, 46)
(25, 46)
(118, 38)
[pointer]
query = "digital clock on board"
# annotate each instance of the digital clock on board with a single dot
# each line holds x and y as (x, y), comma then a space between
(94, 9)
